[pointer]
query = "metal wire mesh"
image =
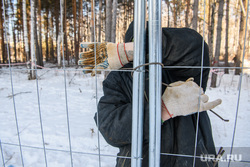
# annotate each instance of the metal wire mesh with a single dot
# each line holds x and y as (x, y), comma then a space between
(70, 151)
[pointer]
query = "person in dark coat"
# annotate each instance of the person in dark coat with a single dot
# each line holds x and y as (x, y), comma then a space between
(180, 47)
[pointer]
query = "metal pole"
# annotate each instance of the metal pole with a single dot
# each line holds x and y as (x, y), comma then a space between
(240, 85)
(155, 74)
(200, 90)
(65, 84)
(2, 153)
(138, 83)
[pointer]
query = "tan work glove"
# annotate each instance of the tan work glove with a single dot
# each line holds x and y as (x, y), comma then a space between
(182, 98)
(108, 55)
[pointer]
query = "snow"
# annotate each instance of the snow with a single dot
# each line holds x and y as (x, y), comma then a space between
(83, 93)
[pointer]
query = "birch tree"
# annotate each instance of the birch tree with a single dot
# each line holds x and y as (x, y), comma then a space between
(25, 31)
(60, 35)
(32, 37)
(2, 32)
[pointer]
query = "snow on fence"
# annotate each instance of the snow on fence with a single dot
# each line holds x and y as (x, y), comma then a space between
(49, 121)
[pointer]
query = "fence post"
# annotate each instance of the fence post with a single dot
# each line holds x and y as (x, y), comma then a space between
(138, 83)
(155, 80)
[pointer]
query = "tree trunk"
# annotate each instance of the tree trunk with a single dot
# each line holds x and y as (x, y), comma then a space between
(87, 23)
(14, 32)
(56, 13)
(25, 31)
(195, 14)
(32, 38)
(108, 20)
(51, 53)
(125, 18)
(226, 39)
(47, 34)
(60, 35)
(40, 29)
(92, 20)
(175, 13)
(218, 41)
(168, 4)
(187, 13)
(211, 30)
(80, 22)
(75, 40)
(238, 57)
(4, 59)
(39, 57)
(65, 31)
(100, 22)
(113, 29)
(14, 40)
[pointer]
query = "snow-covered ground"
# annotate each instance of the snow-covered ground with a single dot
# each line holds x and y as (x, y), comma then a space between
(81, 106)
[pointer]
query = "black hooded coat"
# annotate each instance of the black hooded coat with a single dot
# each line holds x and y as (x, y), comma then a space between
(180, 47)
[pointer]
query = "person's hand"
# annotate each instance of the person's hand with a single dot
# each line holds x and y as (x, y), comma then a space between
(182, 98)
(108, 55)
(90, 61)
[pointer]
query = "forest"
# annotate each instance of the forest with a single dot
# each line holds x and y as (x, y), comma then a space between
(36, 27)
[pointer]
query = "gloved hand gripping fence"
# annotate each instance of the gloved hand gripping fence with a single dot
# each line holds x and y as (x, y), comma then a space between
(185, 98)
(102, 56)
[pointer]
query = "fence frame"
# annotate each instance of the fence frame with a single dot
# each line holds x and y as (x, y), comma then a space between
(155, 70)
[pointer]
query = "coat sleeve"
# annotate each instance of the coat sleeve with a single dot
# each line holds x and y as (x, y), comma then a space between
(114, 116)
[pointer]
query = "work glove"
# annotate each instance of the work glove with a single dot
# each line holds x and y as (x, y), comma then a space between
(182, 98)
(108, 55)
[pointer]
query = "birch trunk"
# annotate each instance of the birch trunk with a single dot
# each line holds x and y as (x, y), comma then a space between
(25, 31)
(60, 35)
(32, 38)
(4, 58)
